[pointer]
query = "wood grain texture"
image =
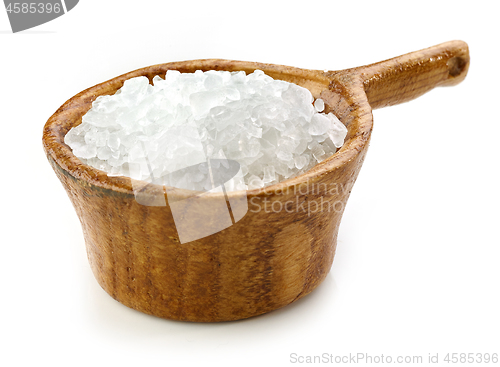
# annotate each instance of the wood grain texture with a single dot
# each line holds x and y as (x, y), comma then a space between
(269, 258)
(406, 77)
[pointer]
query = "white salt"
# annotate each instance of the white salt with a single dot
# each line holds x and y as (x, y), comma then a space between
(337, 132)
(269, 174)
(300, 161)
(319, 105)
(320, 124)
(274, 130)
(255, 182)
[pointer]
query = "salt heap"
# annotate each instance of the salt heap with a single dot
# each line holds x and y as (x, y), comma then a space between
(147, 132)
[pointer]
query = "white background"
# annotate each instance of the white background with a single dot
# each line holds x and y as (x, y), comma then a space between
(416, 269)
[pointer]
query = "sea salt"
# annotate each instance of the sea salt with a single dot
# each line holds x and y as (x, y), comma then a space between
(319, 105)
(184, 129)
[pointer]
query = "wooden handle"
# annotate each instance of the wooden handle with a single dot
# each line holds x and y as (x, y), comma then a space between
(409, 76)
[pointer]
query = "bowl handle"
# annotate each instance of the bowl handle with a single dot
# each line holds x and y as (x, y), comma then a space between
(406, 77)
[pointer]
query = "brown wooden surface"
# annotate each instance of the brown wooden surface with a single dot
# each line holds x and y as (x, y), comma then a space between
(266, 260)
(406, 77)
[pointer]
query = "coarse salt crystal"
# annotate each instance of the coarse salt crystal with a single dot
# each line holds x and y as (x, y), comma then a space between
(274, 129)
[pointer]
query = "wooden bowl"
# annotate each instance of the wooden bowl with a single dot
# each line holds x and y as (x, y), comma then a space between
(267, 259)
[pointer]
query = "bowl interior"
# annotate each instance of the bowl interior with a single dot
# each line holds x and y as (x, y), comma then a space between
(342, 93)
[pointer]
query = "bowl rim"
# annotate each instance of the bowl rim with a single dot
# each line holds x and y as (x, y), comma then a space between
(346, 84)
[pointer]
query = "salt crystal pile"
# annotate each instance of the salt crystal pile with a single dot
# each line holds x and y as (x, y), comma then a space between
(153, 132)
